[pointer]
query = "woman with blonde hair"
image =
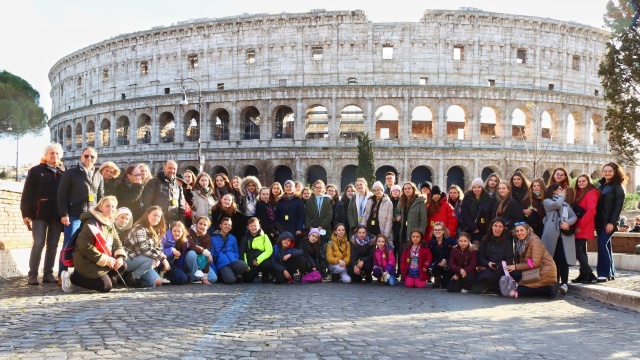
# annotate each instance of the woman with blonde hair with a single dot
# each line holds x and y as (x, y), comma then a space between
(203, 199)
(146, 172)
(110, 171)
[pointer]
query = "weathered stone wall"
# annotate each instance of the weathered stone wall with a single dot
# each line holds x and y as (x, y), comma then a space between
(625, 243)
(14, 233)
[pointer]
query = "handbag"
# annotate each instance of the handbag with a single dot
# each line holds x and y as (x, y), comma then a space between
(530, 276)
(579, 210)
(508, 286)
(311, 277)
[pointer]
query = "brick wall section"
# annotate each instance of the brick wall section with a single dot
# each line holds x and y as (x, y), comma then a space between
(625, 242)
(14, 233)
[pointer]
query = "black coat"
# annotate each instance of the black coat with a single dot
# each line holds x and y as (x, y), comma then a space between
(167, 194)
(364, 253)
(238, 224)
(266, 215)
(475, 214)
(511, 213)
(339, 214)
(130, 196)
(77, 192)
(443, 251)
(609, 205)
(39, 196)
(314, 253)
(494, 251)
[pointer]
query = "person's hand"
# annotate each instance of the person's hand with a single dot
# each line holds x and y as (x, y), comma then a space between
(442, 263)
(111, 262)
(385, 274)
(463, 273)
(166, 264)
(27, 221)
(155, 263)
(287, 275)
(526, 212)
(398, 218)
(492, 265)
(356, 270)
(65, 221)
(118, 264)
(510, 268)
(298, 232)
(564, 225)
(360, 264)
(319, 228)
(255, 263)
(476, 231)
(609, 228)
(454, 277)
(341, 263)
(286, 257)
(175, 252)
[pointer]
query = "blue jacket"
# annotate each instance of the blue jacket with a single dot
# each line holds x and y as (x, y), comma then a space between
(290, 215)
(223, 254)
(279, 253)
(167, 243)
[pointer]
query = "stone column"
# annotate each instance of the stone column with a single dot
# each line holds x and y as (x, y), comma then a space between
(370, 122)
(334, 125)
(97, 126)
(404, 123)
(178, 115)
(133, 128)
(113, 140)
(155, 131)
(442, 178)
(299, 130)
(205, 132)
(84, 131)
(235, 124)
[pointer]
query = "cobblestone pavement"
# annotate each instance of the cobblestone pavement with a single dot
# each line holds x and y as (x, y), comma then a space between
(328, 321)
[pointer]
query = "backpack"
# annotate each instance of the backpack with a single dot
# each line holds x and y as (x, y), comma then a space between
(508, 286)
(66, 254)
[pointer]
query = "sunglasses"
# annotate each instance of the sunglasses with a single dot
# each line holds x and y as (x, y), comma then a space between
(88, 156)
(520, 223)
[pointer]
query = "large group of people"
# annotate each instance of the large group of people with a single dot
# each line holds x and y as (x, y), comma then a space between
(176, 228)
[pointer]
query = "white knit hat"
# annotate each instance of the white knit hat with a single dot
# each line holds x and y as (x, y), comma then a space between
(478, 182)
(377, 184)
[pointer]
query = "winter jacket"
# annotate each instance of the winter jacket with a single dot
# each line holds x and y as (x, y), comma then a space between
(248, 201)
(313, 252)
(255, 247)
(384, 259)
(384, 217)
(199, 243)
(140, 242)
(609, 205)
(541, 258)
(495, 251)
(362, 253)
(338, 249)
(355, 209)
(537, 214)
(551, 233)
(224, 250)
(267, 217)
(511, 212)
(424, 260)
(466, 260)
(586, 225)
(39, 195)
(446, 214)
(339, 214)
(238, 223)
(167, 194)
(77, 192)
(88, 260)
(315, 219)
(202, 204)
(169, 243)
(347, 202)
(290, 214)
(416, 219)
(279, 253)
(441, 251)
(130, 196)
(110, 187)
(476, 214)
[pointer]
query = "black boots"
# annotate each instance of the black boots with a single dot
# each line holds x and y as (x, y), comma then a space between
(582, 277)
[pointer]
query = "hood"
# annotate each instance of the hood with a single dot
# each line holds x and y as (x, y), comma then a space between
(129, 224)
(246, 181)
(371, 239)
(96, 215)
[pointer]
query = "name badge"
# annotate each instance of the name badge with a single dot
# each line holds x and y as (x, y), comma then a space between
(433, 223)
(481, 220)
(174, 202)
(286, 218)
(91, 198)
(406, 223)
(373, 222)
(359, 218)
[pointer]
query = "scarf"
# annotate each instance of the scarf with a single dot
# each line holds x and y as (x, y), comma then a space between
(361, 242)
(521, 246)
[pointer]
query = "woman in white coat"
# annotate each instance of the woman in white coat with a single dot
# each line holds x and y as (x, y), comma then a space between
(561, 244)
(378, 213)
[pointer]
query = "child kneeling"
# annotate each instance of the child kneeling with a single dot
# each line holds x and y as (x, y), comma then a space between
(463, 261)
(339, 253)
(384, 262)
(256, 250)
(415, 262)
(287, 260)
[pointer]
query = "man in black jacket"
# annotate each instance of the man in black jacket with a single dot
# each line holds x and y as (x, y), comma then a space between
(164, 191)
(40, 212)
(81, 187)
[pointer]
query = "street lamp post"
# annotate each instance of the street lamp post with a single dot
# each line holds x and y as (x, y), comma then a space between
(185, 89)
(9, 128)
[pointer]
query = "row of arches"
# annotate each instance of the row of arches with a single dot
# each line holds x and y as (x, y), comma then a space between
(459, 122)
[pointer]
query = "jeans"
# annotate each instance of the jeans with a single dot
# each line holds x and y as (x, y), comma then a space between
(191, 266)
(265, 267)
(606, 268)
(74, 224)
(230, 273)
(142, 268)
(582, 256)
(44, 233)
(378, 272)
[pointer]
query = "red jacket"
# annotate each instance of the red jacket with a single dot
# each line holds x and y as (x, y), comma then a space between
(424, 260)
(466, 260)
(446, 215)
(586, 224)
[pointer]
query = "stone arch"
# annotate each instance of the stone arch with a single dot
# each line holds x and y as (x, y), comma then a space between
(525, 170)
(546, 175)
(282, 174)
(420, 174)
(596, 125)
(167, 128)
(521, 123)
(457, 121)
(191, 124)
(548, 124)
(490, 123)
(488, 170)
(575, 173)
(90, 133)
(251, 120)
(219, 169)
(60, 136)
(250, 170)
(422, 122)
(316, 122)
(575, 128)
(283, 122)
(68, 137)
(347, 176)
(456, 175)
(105, 133)
(123, 130)
(596, 175)
(220, 120)
(78, 135)
(194, 169)
(387, 120)
(316, 172)
(143, 132)
(383, 170)
(351, 122)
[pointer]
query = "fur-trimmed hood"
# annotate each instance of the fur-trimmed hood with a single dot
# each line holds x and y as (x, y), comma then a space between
(93, 213)
(245, 181)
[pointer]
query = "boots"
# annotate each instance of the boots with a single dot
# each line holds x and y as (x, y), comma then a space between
(589, 278)
(580, 278)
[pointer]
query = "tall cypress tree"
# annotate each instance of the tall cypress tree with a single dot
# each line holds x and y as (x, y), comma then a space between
(365, 159)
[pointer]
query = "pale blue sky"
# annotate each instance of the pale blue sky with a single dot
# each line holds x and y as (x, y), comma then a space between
(37, 33)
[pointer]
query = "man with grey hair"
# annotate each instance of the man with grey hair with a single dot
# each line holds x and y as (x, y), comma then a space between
(40, 212)
(165, 191)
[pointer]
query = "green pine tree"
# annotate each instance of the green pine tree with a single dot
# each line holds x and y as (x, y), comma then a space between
(365, 159)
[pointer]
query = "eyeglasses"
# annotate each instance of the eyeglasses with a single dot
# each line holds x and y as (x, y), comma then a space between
(520, 223)
(88, 156)
(438, 230)
(136, 175)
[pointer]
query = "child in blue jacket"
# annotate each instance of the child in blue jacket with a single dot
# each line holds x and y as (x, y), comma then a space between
(287, 259)
(226, 256)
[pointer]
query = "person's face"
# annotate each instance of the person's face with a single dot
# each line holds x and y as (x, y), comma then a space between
(143, 171)
(582, 182)
(503, 190)
(204, 182)
(306, 194)
(477, 190)
(318, 189)
(637, 221)
(298, 187)
(517, 181)
(536, 187)
(251, 187)
(89, 158)
(463, 242)
(350, 191)
(438, 231)
(425, 191)
(135, 177)
(453, 194)
(395, 194)
(497, 228)
(558, 191)
(521, 232)
(225, 226)
(362, 233)
(108, 173)
(331, 191)
(378, 192)
(170, 169)
(122, 220)
(408, 190)
(390, 180)
(493, 182)
(313, 238)
(219, 181)
(360, 186)
(154, 217)
(188, 178)
(264, 195)
(436, 197)
(275, 190)
(227, 200)
(53, 156)
(286, 243)
(176, 232)
(108, 208)
(416, 238)
(380, 243)
(559, 176)
(202, 226)
(608, 172)
(288, 188)
(235, 183)
(254, 227)
(340, 231)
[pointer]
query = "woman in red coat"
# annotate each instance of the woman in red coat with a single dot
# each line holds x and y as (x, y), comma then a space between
(415, 261)
(439, 209)
(585, 203)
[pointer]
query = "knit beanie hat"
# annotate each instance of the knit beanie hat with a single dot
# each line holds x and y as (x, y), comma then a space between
(377, 184)
(314, 231)
(396, 187)
(436, 190)
(290, 182)
(285, 235)
(425, 184)
(477, 182)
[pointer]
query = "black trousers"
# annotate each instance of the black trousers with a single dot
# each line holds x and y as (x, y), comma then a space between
(102, 284)
(266, 267)
(462, 283)
(365, 272)
(582, 257)
(561, 262)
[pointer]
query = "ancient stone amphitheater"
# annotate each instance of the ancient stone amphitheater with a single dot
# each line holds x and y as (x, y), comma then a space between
(452, 96)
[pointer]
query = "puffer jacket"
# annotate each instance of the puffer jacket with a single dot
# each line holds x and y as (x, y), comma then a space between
(446, 214)
(384, 258)
(202, 204)
(255, 247)
(39, 195)
(586, 225)
(609, 205)
(541, 258)
(416, 219)
(385, 216)
(247, 204)
(476, 214)
(224, 250)
(466, 260)
(338, 249)
(167, 194)
(424, 260)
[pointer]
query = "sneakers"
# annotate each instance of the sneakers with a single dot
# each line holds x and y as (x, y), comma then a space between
(601, 279)
(165, 281)
(464, 291)
(67, 286)
(563, 289)
(49, 279)
(199, 274)
(33, 280)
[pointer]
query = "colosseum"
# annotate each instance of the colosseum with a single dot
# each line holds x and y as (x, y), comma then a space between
(455, 95)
